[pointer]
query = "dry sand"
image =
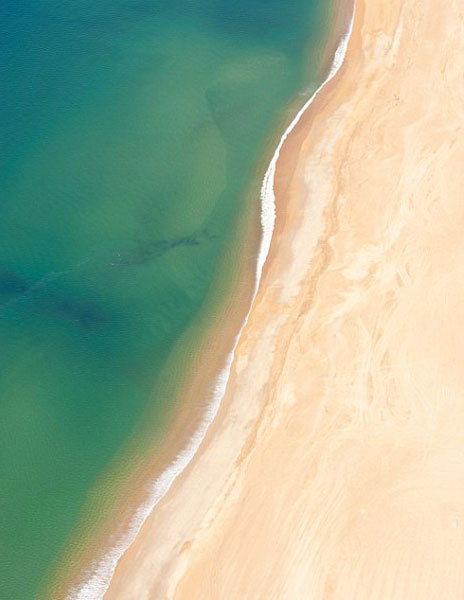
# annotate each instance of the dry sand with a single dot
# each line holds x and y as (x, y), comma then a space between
(335, 468)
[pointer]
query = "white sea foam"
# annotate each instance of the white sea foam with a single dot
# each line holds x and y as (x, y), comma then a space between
(100, 573)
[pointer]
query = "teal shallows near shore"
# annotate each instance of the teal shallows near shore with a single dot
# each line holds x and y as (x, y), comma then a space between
(129, 130)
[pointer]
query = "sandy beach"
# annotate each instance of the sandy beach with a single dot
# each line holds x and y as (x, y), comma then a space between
(335, 467)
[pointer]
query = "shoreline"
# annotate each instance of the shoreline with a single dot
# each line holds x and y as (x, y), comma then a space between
(267, 219)
(95, 586)
(335, 464)
(297, 126)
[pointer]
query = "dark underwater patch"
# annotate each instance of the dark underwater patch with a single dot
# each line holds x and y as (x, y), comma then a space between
(12, 284)
(155, 249)
(85, 313)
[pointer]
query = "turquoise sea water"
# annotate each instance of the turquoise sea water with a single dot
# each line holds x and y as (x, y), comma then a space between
(129, 130)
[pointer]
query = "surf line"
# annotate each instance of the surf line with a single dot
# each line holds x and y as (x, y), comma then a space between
(101, 571)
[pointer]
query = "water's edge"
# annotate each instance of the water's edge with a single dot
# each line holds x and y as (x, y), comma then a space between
(98, 577)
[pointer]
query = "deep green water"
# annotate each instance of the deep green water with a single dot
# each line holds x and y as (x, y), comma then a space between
(129, 130)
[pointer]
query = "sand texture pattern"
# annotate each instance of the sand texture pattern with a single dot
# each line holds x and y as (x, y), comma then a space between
(335, 468)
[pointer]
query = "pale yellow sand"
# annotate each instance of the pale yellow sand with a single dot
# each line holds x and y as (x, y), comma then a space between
(335, 468)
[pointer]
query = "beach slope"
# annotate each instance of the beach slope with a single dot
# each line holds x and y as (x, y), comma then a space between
(335, 467)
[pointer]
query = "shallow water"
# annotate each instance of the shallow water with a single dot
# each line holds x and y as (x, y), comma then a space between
(129, 132)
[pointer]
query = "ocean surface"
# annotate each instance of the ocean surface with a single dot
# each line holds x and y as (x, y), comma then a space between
(129, 133)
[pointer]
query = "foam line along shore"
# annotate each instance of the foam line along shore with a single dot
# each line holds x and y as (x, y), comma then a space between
(98, 580)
